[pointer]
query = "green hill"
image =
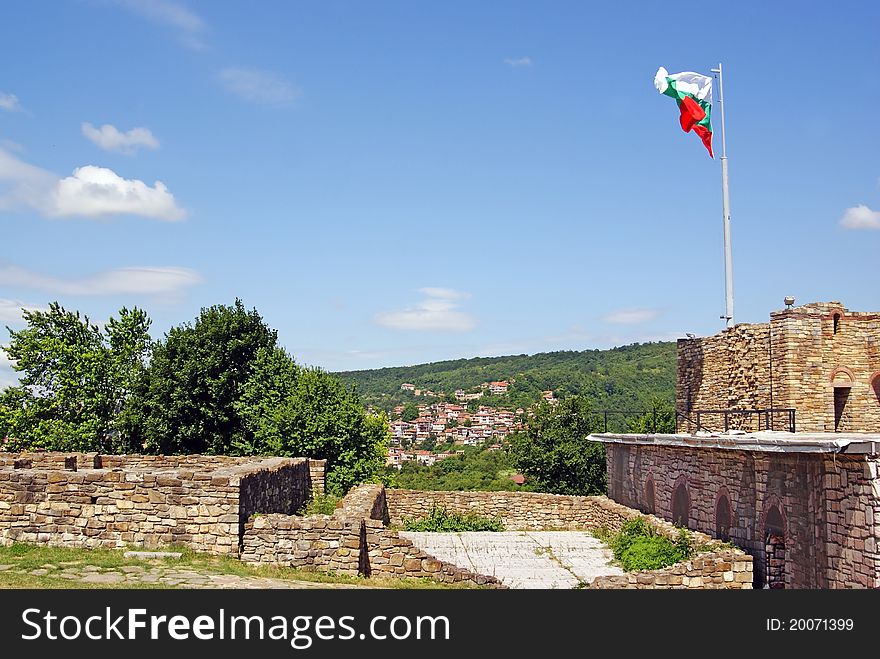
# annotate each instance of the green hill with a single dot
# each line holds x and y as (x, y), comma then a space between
(620, 378)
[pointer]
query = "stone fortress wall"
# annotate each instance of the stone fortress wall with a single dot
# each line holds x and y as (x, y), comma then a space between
(820, 358)
(245, 507)
(91, 500)
(714, 566)
(824, 507)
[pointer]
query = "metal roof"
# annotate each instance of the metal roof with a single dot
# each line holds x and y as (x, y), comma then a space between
(767, 441)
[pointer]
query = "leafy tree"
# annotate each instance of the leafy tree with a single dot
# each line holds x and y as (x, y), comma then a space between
(476, 469)
(554, 451)
(185, 401)
(660, 419)
(76, 379)
(410, 412)
(624, 378)
(295, 411)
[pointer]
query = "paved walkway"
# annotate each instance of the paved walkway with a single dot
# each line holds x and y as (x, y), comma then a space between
(165, 576)
(523, 559)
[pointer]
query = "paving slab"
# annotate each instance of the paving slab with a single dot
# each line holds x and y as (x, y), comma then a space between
(523, 559)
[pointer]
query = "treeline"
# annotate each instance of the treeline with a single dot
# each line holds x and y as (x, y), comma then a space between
(219, 385)
(628, 377)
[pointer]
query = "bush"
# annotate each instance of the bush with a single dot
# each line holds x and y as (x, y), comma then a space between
(440, 520)
(639, 547)
(320, 504)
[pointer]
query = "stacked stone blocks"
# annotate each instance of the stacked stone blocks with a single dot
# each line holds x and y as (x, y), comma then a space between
(797, 360)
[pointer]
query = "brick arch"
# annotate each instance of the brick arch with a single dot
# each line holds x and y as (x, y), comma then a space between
(874, 382)
(680, 502)
(771, 502)
(723, 514)
(840, 312)
(650, 494)
(842, 369)
(774, 535)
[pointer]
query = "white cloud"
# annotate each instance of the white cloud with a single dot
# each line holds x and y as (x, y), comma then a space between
(443, 293)
(631, 316)
(189, 26)
(97, 191)
(90, 192)
(860, 217)
(9, 102)
(517, 62)
(437, 312)
(110, 138)
(10, 310)
(259, 87)
(146, 280)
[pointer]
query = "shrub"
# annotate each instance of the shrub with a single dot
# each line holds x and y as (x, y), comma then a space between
(639, 547)
(320, 504)
(441, 520)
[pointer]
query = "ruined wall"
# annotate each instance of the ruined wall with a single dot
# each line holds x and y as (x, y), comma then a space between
(197, 501)
(517, 510)
(796, 360)
(720, 569)
(354, 541)
(829, 509)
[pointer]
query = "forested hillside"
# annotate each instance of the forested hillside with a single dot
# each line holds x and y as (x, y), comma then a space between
(625, 377)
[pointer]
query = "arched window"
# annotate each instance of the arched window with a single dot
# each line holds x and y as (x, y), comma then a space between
(836, 318)
(649, 496)
(723, 518)
(875, 385)
(774, 547)
(681, 505)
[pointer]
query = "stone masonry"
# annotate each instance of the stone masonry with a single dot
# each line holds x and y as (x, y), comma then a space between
(354, 540)
(820, 358)
(89, 500)
(245, 507)
(818, 513)
(714, 566)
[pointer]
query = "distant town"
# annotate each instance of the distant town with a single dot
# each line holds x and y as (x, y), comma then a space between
(428, 432)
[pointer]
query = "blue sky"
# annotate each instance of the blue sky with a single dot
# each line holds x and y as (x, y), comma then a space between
(394, 182)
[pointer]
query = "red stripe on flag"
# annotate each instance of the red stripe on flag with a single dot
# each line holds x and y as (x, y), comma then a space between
(705, 135)
(691, 113)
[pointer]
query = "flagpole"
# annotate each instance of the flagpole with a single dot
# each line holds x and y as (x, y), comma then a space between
(725, 196)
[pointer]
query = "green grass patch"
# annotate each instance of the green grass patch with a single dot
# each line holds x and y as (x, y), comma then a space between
(441, 520)
(26, 558)
(639, 547)
(320, 504)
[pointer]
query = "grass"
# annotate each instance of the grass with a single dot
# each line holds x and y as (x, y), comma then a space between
(638, 546)
(26, 558)
(320, 504)
(441, 520)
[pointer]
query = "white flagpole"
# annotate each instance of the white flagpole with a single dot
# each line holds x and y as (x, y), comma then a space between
(725, 195)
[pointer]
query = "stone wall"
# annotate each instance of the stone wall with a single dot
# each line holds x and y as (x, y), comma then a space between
(797, 360)
(826, 505)
(719, 569)
(354, 541)
(518, 510)
(197, 501)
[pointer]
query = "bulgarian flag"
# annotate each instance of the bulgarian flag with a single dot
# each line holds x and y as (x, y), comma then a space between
(693, 93)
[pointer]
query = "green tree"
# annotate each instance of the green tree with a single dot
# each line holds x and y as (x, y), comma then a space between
(410, 412)
(76, 379)
(294, 411)
(660, 418)
(185, 402)
(554, 451)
